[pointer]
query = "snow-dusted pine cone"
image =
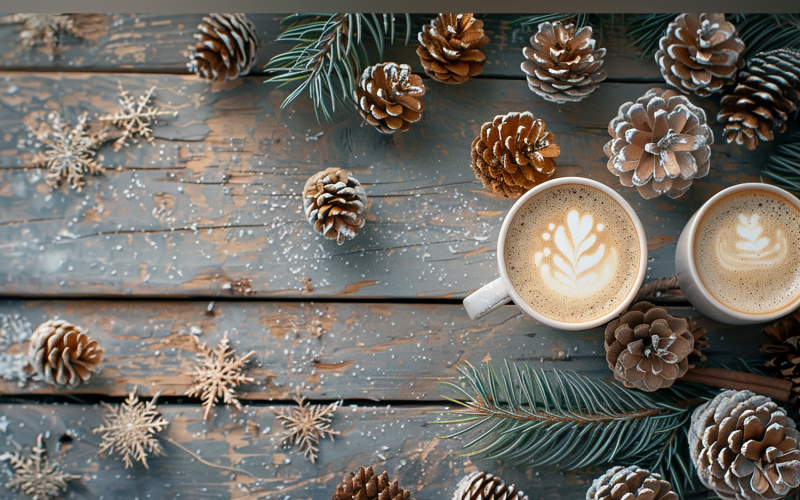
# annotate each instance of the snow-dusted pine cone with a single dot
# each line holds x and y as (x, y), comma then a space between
(62, 354)
(482, 486)
(745, 447)
(630, 483)
(389, 97)
(700, 53)
(450, 48)
(562, 63)
(226, 48)
(334, 202)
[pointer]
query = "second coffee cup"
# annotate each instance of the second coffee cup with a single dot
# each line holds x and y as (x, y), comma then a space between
(571, 253)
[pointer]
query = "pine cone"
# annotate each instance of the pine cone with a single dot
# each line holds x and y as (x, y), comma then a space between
(745, 447)
(700, 53)
(513, 153)
(450, 48)
(62, 354)
(700, 341)
(783, 343)
(389, 97)
(647, 348)
(365, 485)
(482, 486)
(766, 94)
(334, 202)
(226, 48)
(659, 144)
(630, 483)
(562, 65)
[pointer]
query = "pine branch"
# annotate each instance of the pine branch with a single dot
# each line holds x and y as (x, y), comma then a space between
(783, 165)
(329, 55)
(764, 32)
(564, 419)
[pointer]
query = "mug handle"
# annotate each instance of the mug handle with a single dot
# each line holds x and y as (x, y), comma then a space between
(486, 299)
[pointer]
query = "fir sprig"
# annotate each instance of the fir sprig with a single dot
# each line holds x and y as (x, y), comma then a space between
(329, 55)
(783, 165)
(560, 418)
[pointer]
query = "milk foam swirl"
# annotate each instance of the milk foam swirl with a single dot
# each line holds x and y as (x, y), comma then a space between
(748, 250)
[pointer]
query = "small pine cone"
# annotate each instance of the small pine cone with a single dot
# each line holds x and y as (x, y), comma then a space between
(745, 447)
(365, 485)
(766, 95)
(563, 65)
(334, 202)
(647, 348)
(700, 53)
(62, 354)
(389, 97)
(482, 486)
(226, 48)
(783, 344)
(450, 48)
(513, 153)
(630, 483)
(659, 144)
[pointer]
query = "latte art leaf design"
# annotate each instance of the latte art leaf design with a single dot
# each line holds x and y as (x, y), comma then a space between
(751, 249)
(582, 267)
(750, 230)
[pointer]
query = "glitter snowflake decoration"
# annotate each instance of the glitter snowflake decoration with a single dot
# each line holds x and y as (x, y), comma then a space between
(44, 29)
(307, 424)
(68, 152)
(130, 430)
(135, 118)
(218, 373)
(36, 476)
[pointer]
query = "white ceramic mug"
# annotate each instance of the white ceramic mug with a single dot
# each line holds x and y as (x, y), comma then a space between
(501, 291)
(689, 279)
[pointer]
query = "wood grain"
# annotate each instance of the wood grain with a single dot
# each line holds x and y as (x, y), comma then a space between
(158, 43)
(213, 208)
(378, 352)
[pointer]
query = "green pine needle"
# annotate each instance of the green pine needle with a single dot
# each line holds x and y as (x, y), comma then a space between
(329, 55)
(783, 166)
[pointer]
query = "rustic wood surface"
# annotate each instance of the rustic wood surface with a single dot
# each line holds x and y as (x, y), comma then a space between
(201, 234)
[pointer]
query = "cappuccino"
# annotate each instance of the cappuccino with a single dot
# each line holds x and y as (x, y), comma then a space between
(747, 251)
(572, 253)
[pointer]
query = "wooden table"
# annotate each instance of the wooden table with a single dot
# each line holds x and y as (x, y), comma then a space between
(202, 233)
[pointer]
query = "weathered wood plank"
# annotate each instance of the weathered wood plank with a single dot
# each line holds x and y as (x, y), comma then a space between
(214, 208)
(148, 43)
(328, 350)
(400, 440)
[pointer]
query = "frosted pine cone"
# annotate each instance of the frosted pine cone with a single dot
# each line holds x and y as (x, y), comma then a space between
(766, 95)
(450, 48)
(62, 354)
(334, 202)
(659, 144)
(630, 483)
(700, 53)
(482, 486)
(226, 48)
(562, 64)
(389, 97)
(513, 153)
(745, 447)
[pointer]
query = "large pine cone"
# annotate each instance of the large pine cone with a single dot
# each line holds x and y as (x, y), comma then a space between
(647, 348)
(62, 354)
(334, 203)
(630, 483)
(783, 344)
(659, 144)
(450, 48)
(745, 447)
(226, 48)
(389, 97)
(700, 53)
(513, 153)
(767, 93)
(482, 486)
(563, 65)
(365, 485)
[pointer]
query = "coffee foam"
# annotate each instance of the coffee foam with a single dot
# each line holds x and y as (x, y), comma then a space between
(747, 251)
(572, 253)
